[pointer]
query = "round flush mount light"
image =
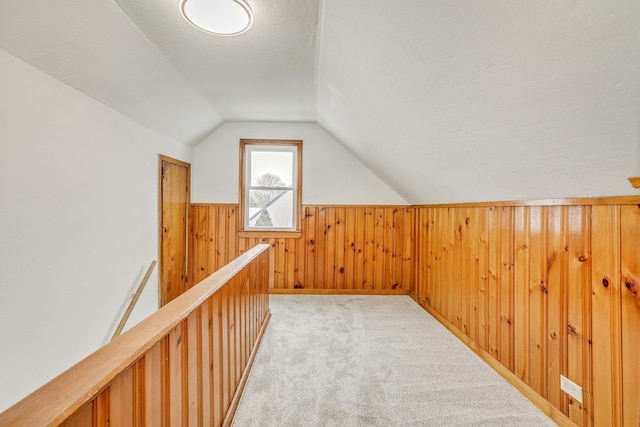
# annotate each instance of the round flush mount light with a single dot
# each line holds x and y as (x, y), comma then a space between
(220, 17)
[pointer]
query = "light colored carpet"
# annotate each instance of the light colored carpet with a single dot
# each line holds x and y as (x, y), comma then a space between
(344, 360)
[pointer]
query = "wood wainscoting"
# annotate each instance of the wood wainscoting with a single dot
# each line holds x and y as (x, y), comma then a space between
(351, 249)
(538, 288)
(545, 289)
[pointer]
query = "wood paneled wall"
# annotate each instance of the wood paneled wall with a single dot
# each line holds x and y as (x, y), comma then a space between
(342, 249)
(182, 366)
(544, 290)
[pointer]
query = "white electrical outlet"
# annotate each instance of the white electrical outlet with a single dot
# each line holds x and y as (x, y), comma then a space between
(571, 388)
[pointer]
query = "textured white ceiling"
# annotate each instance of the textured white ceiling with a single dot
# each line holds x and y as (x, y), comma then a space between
(485, 100)
(267, 73)
(444, 100)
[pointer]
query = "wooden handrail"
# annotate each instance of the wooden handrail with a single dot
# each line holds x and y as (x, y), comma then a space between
(70, 392)
(134, 300)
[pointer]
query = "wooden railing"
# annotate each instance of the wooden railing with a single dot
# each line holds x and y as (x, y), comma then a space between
(184, 365)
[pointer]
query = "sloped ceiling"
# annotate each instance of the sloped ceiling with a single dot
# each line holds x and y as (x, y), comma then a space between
(485, 100)
(266, 73)
(445, 100)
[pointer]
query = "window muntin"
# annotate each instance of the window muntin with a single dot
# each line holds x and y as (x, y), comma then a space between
(270, 185)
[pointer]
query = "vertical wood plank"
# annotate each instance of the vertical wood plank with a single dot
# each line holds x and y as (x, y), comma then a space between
(389, 249)
(330, 255)
(193, 364)
(607, 387)
(400, 224)
(506, 287)
(212, 239)
(153, 386)
(191, 246)
(177, 382)
(408, 255)
(290, 249)
(82, 418)
(321, 249)
(556, 265)
(340, 248)
(494, 283)
(351, 248)
(473, 260)
(101, 408)
(430, 252)
(465, 271)
(237, 283)
(300, 269)
(439, 291)
(450, 284)
(206, 363)
(217, 356)
(421, 264)
(121, 399)
(521, 315)
(537, 277)
(369, 248)
(232, 224)
(242, 245)
(360, 249)
(201, 243)
(578, 310)
(244, 317)
(225, 347)
(629, 239)
(379, 245)
(139, 394)
(439, 252)
(279, 260)
(311, 256)
(231, 333)
(457, 277)
(222, 244)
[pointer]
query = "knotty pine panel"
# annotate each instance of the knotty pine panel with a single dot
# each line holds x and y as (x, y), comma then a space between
(343, 248)
(545, 290)
(630, 286)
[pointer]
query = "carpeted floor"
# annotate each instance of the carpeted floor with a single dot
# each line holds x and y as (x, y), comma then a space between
(329, 360)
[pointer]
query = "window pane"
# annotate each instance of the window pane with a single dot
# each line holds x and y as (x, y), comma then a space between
(271, 168)
(271, 209)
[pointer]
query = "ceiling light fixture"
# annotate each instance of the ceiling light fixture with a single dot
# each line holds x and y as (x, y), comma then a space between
(220, 17)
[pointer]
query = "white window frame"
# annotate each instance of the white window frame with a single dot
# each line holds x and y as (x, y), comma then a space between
(247, 146)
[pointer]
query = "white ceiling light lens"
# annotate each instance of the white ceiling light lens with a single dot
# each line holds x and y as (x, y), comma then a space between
(222, 17)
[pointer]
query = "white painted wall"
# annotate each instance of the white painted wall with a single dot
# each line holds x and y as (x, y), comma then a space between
(330, 174)
(78, 224)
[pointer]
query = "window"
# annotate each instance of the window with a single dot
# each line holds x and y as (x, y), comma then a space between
(270, 175)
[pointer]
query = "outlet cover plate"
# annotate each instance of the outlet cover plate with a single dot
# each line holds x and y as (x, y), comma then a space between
(571, 388)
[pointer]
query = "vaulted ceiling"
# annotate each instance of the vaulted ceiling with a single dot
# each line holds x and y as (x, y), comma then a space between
(444, 100)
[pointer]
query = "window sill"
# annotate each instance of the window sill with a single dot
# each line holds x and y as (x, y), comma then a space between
(270, 234)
